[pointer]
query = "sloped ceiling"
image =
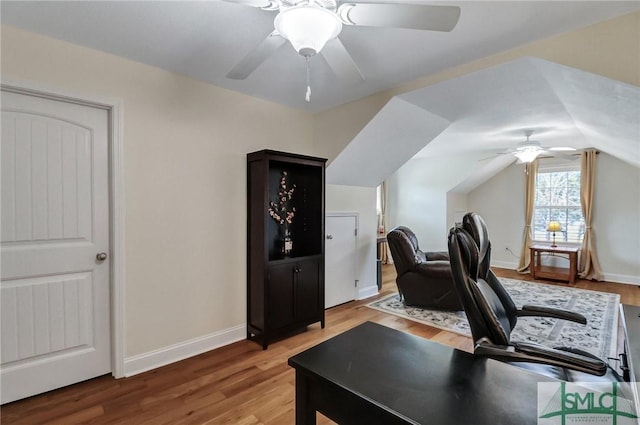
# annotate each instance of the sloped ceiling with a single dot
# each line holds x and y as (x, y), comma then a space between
(206, 39)
(487, 112)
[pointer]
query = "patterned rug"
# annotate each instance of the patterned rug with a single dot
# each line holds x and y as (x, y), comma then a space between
(598, 337)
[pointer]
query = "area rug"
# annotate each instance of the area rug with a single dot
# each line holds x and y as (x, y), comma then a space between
(598, 337)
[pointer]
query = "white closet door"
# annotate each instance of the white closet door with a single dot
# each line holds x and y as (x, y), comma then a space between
(55, 228)
(340, 259)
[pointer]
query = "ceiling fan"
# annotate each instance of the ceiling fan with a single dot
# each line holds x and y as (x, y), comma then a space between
(313, 26)
(528, 150)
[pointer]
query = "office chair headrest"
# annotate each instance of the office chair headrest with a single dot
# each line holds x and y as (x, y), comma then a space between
(477, 228)
(468, 249)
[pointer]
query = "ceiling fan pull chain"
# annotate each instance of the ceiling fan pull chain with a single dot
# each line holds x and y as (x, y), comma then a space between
(307, 95)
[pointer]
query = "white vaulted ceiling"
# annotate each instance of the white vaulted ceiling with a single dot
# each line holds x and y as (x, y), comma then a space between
(487, 112)
(205, 39)
(473, 116)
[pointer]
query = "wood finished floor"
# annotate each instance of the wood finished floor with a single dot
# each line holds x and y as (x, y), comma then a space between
(238, 384)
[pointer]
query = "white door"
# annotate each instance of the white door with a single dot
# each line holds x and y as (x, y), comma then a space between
(340, 259)
(55, 216)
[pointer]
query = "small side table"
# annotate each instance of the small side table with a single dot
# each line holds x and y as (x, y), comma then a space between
(380, 244)
(549, 272)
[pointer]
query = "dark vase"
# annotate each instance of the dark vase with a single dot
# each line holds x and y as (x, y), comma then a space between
(287, 242)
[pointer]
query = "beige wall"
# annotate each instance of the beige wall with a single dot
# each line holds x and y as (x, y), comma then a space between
(610, 49)
(184, 150)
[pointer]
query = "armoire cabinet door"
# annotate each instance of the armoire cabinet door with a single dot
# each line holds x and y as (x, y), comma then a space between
(307, 289)
(280, 296)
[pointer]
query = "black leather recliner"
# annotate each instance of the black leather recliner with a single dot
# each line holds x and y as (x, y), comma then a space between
(423, 278)
(492, 313)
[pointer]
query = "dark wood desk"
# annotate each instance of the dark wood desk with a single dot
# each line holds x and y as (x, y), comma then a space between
(558, 273)
(372, 374)
(630, 315)
(631, 323)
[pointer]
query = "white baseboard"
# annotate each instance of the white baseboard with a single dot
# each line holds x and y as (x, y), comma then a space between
(183, 350)
(367, 291)
(620, 278)
(504, 265)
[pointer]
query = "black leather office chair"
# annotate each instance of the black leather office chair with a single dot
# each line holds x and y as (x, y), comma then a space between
(423, 278)
(492, 313)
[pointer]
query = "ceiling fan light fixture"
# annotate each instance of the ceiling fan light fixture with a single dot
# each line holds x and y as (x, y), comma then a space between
(528, 153)
(308, 27)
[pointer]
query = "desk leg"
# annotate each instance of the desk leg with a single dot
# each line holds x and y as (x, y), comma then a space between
(305, 413)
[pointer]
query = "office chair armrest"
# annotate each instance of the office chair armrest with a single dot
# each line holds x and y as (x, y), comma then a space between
(534, 353)
(540, 311)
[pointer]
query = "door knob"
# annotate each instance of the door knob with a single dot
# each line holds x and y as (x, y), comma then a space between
(101, 256)
(329, 236)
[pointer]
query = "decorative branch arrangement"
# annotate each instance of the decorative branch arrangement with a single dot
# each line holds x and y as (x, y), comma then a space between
(280, 210)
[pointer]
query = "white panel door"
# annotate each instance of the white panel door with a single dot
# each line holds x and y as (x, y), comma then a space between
(55, 221)
(340, 259)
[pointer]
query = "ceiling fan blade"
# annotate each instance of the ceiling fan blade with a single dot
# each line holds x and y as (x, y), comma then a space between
(258, 55)
(412, 16)
(494, 156)
(341, 62)
(264, 4)
(567, 155)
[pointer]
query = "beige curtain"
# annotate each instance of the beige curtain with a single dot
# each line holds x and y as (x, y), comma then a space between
(589, 267)
(531, 170)
(382, 226)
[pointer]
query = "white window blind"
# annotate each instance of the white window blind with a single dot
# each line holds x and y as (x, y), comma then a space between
(558, 199)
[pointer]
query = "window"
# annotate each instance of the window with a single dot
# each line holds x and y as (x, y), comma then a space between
(558, 199)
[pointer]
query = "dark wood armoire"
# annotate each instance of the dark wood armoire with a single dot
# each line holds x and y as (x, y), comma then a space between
(285, 261)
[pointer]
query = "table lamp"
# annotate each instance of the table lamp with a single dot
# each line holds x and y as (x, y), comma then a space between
(554, 227)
